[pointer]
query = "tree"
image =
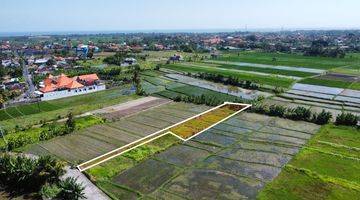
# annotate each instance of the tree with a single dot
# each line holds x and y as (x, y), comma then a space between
(136, 79)
(116, 59)
(50, 169)
(70, 123)
(50, 62)
(70, 190)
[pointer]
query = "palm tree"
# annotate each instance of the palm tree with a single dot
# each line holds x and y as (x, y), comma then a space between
(135, 69)
(49, 169)
(70, 190)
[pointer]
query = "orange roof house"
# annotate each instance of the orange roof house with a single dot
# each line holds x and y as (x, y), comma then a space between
(87, 79)
(61, 82)
(74, 85)
(48, 88)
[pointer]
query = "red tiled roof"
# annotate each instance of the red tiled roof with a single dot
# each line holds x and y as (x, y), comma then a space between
(53, 83)
(48, 88)
(63, 81)
(89, 77)
(74, 85)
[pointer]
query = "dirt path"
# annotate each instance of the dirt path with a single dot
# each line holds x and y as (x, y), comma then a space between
(125, 106)
(125, 109)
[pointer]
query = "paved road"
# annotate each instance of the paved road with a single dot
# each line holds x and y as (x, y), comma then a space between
(27, 77)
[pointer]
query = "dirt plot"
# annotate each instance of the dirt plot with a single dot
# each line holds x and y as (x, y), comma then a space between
(183, 155)
(147, 176)
(251, 170)
(232, 160)
(215, 139)
(118, 111)
(207, 184)
(342, 77)
(256, 156)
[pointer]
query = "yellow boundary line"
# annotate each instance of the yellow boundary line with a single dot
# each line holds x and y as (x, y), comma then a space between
(246, 106)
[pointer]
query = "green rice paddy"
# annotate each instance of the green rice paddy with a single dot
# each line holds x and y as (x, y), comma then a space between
(260, 79)
(327, 168)
(290, 59)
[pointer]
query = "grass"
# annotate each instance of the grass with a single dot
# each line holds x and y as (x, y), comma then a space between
(260, 79)
(350, 70)
(55, 109)
(190, 90)
(267, 70)
(328, 83)
(321, 170)
(355, 86)
(291, 59)
(33, 133)
(293, 184)
(109, 169)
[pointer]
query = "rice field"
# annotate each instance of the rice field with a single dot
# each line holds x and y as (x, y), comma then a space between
(327, 168)
(317, 98)
(218, 87)
(99, 139)
(292, 60)
(198, 124)
(172, 89)
(237, 157)
(271, 80)
(266, 70)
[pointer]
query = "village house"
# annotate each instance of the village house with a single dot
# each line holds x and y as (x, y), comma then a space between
(55, 87)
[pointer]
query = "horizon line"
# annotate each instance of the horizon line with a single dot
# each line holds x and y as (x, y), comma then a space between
(209, 30)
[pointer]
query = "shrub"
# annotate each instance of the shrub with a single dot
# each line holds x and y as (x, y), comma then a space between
(19, 140)
(277, 110)
(71, 190)
(347, 119)
(260, 108)
(322, 118)
(299, 113)
(49, 191)
(279, 90)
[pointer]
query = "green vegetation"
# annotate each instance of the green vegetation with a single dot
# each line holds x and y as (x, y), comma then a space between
(23, 175)
(196, 95)
(55, 109)
(260, 79)
(327, 168)
(325, 82)
(298, 113)
(347, 119)
(46, 132)
(104, 173)
(267, 70)
(285, 59)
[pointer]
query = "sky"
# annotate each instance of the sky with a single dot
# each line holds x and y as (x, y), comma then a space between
(157, 15)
